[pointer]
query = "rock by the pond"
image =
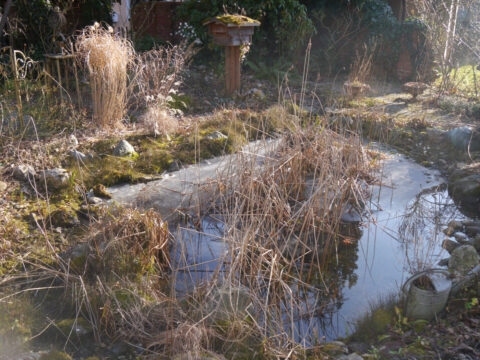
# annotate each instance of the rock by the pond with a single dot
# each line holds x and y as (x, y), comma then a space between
(79, 327)
(94, 200)
(443, 262)
(216, 135)
(3, 186)
(472, 230)
(72, 140)
(450, 245)
(453, 227)
(464, 188)
(464, 137)
(101, 191)
(352, 356)
(55, 355)
(55, 179)
(358, 347)
(24, 172)
(78, 156)
(175, 165)
(461, 237)
(476, 242)
(463, 259)
(124, 148)
(63, 218)
(335, 348)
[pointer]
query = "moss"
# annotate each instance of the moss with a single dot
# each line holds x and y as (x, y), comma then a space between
(155, 155)
(78, 326)
(235, 19)
(101, 191)
(55, 355)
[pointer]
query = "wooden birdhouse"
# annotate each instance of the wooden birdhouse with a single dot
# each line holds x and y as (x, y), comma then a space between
(233, 32)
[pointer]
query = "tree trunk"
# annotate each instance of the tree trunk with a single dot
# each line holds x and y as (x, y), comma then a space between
(8, 5)
(452, 27)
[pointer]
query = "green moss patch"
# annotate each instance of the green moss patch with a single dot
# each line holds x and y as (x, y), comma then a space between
(157, 154)
(235, 19)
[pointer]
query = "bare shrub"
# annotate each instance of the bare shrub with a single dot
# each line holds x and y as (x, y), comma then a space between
(361, 69)
(157, 74)
(106, 57)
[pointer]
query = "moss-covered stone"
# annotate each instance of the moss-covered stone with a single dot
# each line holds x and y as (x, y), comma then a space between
(55, 355)
(101, 191)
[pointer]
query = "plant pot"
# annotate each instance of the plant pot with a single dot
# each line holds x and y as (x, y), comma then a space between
(425, 304)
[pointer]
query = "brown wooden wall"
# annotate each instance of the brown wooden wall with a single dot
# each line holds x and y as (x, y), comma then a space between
(155, 18)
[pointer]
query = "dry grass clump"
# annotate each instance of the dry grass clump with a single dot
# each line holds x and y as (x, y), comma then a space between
(158, 121)
(283, 218)
(126, 242)
(107, 57)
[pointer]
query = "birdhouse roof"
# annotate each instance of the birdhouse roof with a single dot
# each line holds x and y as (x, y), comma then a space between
(231, 20)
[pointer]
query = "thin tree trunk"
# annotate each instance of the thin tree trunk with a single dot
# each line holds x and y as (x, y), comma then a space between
(8, 5)
(452, 27)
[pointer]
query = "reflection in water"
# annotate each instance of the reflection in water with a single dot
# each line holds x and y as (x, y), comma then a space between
(419, 232)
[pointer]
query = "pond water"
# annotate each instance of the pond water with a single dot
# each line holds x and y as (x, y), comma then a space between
(404, 234)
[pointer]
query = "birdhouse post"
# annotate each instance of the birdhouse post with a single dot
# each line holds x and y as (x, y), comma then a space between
(233, 32)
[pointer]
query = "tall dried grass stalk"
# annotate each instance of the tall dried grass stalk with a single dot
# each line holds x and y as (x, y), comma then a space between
(106, 57)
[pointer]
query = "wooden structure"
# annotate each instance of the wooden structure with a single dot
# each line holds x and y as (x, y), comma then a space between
(233, 32)
(53, 67)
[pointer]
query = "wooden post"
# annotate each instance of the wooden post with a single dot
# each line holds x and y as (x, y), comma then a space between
(232, 68)
(59, 80)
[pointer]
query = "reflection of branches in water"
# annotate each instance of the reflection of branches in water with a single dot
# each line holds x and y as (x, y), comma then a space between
(421, 224)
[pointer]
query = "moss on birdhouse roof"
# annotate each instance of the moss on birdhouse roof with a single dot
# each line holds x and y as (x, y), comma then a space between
(233, 19)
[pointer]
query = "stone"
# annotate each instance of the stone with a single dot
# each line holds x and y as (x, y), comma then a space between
(463, 259)
(443, 262)
(55, 179)
(464, 188)
(63, 218)
(464, 137)
(476, 242)
(73, 141)
(77, 155)
(24, 172)
(450, 245)
(358, 347)
(455, 225)
(94, 200)
(471, 223)
(175, 165)
(472, 231)
(3, 186)
(101, 191)
(352, 356)
(335, 348)
(216, 135)
(461, 237)
(123, 149)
